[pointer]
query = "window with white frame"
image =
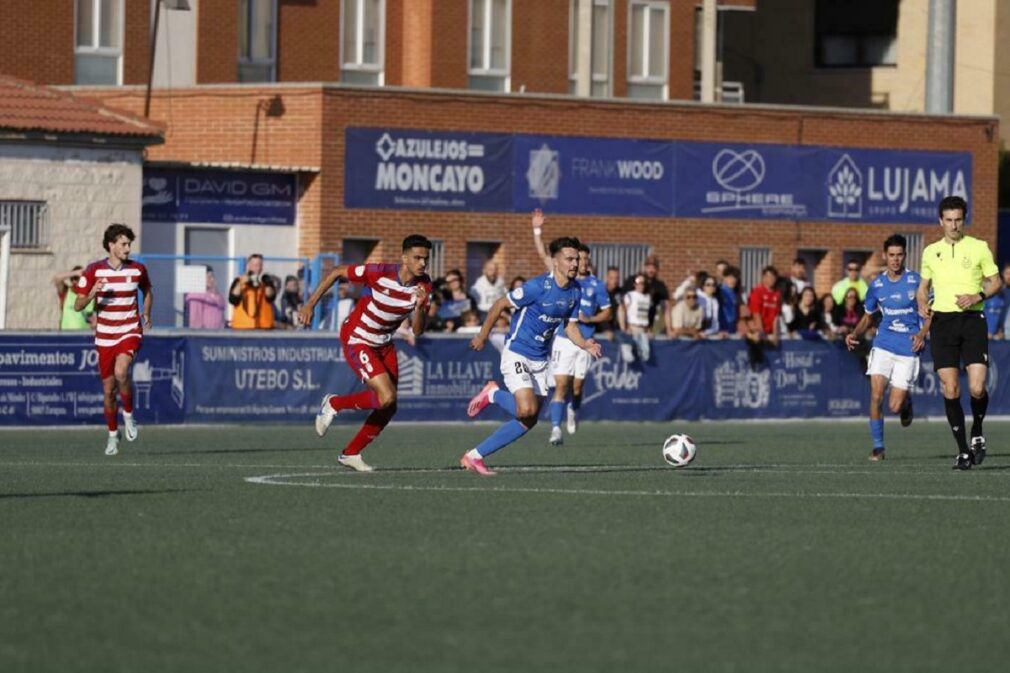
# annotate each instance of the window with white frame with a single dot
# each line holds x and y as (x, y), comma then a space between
(648, 49)
(600, 47)
(98, 45)
(257, 40)
(363, 41)
(28, 222)
(490, 44)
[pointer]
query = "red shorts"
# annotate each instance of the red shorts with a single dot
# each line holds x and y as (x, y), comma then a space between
(107, 355)
(370, 361)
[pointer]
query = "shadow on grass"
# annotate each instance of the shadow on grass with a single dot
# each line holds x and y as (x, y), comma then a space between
(91, 494)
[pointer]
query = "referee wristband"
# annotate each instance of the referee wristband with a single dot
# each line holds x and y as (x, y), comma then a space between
(982, 294)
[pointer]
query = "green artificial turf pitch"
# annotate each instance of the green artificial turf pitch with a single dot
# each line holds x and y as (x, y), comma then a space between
(781, 548)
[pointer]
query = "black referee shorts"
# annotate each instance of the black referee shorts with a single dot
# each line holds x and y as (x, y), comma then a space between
(957, 337)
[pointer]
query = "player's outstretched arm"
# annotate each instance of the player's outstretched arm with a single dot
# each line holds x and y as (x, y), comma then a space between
(335, 274)
(922, 297)
(538, 220)
(477, 343)
(589, 345)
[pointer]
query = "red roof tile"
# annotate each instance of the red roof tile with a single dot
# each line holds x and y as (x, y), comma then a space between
(25, 106)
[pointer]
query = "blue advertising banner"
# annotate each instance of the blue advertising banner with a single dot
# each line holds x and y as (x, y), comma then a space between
(402, 168)
(594, 176)
(733, 181)
(817, 183)
(406, 169)
(227, 197)
(53, 380)
(887, 186)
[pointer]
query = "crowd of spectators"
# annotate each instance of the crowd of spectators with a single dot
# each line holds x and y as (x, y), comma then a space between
(703, 306)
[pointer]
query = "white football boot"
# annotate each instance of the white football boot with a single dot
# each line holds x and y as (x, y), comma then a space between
(325, 416)
(112, 447)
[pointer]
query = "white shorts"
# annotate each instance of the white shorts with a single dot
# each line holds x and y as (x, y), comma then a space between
(522, 372)
(567, 359)
(900, 370)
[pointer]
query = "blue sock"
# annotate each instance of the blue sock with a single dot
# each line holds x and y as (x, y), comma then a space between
(557, 411)
(877, 433)
(576, 401)
(502, 437)
(504, 399)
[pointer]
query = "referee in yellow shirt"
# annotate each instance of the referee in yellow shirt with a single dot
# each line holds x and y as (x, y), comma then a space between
(962, 273)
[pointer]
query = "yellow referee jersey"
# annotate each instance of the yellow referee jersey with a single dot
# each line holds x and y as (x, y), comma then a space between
(957, 269)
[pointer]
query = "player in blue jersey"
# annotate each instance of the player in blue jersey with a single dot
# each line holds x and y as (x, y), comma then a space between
(543, 305)
(900, 336)
(569, 363)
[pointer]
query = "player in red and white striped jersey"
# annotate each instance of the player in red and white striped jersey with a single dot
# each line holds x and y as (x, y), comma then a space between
(112, 283)
(394, 292)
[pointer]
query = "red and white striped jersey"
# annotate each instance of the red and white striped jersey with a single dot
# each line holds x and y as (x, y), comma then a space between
(383, 307)
(118, 316)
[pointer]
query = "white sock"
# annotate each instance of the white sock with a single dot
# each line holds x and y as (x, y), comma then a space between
(113, 433)
(473, 454)
(127, 415)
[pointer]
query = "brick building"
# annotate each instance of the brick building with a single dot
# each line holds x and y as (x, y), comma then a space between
(271, 87)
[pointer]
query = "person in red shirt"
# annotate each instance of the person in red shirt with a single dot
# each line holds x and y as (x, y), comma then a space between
(112, 283)
(394, 293)
(765, 304)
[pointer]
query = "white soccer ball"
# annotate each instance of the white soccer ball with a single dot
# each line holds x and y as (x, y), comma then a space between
(679, 450)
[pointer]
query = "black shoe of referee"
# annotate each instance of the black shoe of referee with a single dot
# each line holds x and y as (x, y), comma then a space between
(963, 461)
(977, 450)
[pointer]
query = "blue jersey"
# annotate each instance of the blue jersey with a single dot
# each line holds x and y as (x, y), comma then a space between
(594, 299)
(542, 307)
(895, 299)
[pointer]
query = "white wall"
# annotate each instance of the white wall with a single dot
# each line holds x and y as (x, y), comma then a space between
(86, 189)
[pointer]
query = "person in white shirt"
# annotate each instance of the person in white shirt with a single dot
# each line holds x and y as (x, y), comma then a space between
(488, 289)
(634, 316)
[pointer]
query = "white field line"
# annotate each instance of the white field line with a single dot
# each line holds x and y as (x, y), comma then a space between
(281, 480)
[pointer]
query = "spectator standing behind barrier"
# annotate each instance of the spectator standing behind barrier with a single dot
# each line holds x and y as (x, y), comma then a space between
(252, 295)
(828, 313)
(488, 289)
(849, 312)
(686, 317)
(455, 301)
(807, 322)
(612, 281)
(852, 279)
(765, 303)
(729, 299)
(69, 318)
(205, 310)
(658, 292)
(1005, 293)
(798, 275)
(634, 319)
(291, 301)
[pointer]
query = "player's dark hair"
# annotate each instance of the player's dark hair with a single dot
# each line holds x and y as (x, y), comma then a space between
(895, 240)
(416, 241)
(113, 232)
(953, 203)
(564, 242)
